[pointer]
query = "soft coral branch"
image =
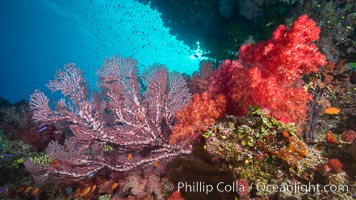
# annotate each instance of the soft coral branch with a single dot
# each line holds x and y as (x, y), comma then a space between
(201, 113)
(288, 54)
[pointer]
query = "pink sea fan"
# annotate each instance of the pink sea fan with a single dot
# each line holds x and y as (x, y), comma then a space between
(124, 120)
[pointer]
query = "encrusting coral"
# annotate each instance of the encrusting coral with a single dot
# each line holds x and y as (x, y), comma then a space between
(257, 138)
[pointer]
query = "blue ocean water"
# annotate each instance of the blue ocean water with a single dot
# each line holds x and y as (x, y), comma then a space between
(39, 36)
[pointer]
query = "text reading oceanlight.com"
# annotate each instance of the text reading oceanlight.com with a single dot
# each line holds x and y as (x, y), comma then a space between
(260, 187)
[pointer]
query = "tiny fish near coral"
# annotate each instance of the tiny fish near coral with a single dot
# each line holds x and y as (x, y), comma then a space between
(332, 111)
(35, 191)
(285, 134)
(114, 186)
(3, 189)
(42, 128)
(330, 138)
(129, 156)
(155, 163)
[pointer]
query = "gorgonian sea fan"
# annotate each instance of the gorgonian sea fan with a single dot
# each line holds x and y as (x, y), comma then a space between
(108, 127)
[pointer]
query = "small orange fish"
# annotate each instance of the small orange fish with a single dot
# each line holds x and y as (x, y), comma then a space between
(105, 184)
(285, 134)
(55, 164)
(28, 189)
(19, 190)
(269, 23)
(332, 111)
(155, 163)
(114, 186)
(76, 193)
(129, 156)
(85, 191)
(35, 191)
(330, 137)
(93, 187)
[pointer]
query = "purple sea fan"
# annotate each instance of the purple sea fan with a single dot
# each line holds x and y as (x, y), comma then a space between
(106, 128)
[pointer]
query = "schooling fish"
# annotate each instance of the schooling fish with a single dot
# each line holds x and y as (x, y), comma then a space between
(42, 128)
(68, 190)
(3, 190)
(6, 155)
(90, 175)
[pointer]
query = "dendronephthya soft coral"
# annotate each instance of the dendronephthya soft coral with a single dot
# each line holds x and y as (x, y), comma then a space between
(268, 74)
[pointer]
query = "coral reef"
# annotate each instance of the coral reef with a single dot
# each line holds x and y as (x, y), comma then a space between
(16, 123)
(243, 125)
(261, 150)
(337, 19)
(250, 9)
(255, 139)
(12, 156)
(144, 187)
(333, 92)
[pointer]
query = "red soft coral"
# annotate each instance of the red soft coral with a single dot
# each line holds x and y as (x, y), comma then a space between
(198, 115)
(268, 73)
(222, 80)
(176, 196)
(288, 54)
